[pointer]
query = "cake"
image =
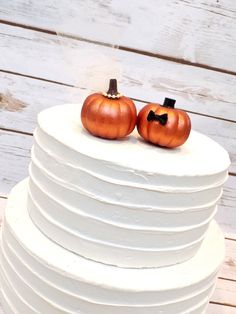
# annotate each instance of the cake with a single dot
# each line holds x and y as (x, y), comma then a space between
(112, 227)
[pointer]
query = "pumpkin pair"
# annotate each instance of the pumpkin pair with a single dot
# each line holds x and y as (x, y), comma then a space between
(111, 115)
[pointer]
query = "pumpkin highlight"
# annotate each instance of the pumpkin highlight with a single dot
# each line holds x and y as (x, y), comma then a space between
(163, 125)
(109, 115)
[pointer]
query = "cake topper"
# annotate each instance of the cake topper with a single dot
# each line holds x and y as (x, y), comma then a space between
(109, 115)
(163, 125)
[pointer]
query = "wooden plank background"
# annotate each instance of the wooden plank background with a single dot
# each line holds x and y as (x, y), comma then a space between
(177, 48)
(198, 32)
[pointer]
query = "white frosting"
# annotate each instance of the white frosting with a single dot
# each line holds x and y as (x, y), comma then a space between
(198, 157)
(123, 202)
(39, 276)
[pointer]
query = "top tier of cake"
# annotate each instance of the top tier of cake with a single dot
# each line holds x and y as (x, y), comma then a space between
(122, 202)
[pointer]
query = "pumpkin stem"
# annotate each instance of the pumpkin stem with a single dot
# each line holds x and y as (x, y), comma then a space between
(112, 87)
(112, 91)
(169, 103)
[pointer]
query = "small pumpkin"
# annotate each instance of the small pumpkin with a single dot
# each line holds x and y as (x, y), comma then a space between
(163, 125)
(109, 115)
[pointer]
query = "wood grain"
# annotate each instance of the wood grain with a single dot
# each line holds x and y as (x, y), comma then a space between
(14, 159)
(1, 310)
(221, 131)
(3, 202)
(220, 309)
(36, 95)
(228, 270)
(227, 213)
(142, 77)
(225, 292)
(200, 32)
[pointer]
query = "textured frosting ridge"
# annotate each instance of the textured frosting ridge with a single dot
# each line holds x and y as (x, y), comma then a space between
(39, 276)
(124, 203)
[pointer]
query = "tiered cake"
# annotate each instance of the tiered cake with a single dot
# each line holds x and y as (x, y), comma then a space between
(112, 227)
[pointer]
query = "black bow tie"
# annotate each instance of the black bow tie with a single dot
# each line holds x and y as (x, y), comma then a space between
(162, 118)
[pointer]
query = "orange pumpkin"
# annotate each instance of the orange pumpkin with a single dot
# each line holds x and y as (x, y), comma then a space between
(163, 125)
(109, 115)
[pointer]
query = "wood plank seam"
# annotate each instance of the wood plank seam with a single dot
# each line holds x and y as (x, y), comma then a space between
(138, 51)
(200, 114)
(230, 238)
(134, 99)
(36, 78)
(33, 28)
(224, 304)
(16, 131)
(188, 4)
(209, 116)
(193, 29)
(227, 279)
(155, 84)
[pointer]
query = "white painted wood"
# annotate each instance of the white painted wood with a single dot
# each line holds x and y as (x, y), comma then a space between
(44, 94)
(228, 270)
(225, 292)
(3, 202)
(192, 30)
(90, 66)
(226, 214)
(220, 309)
(14, 159)
(25, 97)
(221, 131)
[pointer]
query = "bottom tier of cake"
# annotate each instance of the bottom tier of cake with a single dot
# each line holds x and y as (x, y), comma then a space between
(39, 276)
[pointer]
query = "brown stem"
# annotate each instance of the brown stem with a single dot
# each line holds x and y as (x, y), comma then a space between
(113, 88)
(169, 103)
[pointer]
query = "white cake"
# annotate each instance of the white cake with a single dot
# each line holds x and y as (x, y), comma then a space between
(112, 227)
